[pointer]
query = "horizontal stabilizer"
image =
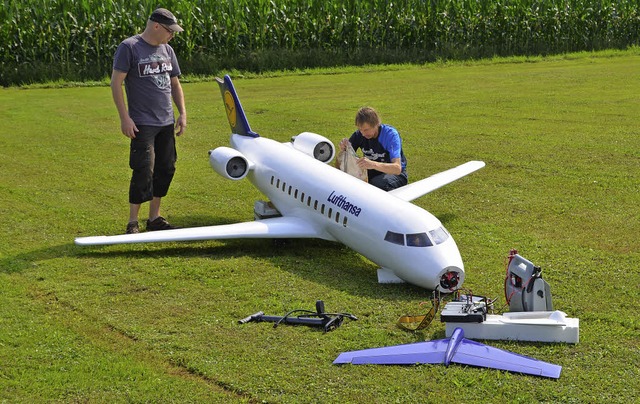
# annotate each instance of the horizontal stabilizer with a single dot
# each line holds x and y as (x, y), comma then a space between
(416, 189)
(456, 349)
(279, 227)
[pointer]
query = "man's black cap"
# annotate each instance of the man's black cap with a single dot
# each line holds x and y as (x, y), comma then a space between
(164, 17)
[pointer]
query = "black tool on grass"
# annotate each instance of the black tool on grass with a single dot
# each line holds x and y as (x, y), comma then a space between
(319, 318)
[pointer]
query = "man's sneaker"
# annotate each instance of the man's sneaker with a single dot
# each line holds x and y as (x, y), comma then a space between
(159, 223)
(132, 228)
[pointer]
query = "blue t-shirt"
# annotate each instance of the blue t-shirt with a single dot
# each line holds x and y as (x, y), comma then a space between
(384, 148)
(148, 83)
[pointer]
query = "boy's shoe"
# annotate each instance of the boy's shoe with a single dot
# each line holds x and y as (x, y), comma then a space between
(132, 228)
(159, 223)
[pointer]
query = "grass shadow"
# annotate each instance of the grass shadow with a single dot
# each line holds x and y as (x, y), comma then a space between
(23, 261)
(323, 262)
(320, 261)
(447, 218)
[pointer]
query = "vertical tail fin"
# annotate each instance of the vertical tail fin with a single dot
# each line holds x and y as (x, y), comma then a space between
(233, 108)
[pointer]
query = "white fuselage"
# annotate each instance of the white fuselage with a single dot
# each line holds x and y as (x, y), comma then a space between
(350, 211)
(316, 200)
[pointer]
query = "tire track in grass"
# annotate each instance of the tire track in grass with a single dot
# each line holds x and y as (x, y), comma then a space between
(122, 342)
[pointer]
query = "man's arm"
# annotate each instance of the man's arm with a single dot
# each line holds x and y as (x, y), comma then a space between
(178, 99)
(127, 126)
(395, 167)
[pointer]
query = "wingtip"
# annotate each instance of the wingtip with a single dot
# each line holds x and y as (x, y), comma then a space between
(85, 241)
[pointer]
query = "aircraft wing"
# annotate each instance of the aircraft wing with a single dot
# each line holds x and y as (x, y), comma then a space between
(456, 349)
(416, 189)
(408, 354)
(477, 354)
(278, 227)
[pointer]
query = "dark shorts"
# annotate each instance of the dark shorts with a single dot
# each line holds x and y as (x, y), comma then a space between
(387, 182)
(152, 158)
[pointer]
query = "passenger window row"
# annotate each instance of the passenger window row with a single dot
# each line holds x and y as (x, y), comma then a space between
(302, 198)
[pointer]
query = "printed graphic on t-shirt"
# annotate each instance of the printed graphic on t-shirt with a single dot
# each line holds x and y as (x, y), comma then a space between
(372, 155)
(158, 68)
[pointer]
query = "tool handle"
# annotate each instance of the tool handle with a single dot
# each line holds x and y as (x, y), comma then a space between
(252, 317)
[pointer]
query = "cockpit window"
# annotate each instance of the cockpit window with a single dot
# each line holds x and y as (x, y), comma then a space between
(395, 238)
(418, 240)
(439, 235)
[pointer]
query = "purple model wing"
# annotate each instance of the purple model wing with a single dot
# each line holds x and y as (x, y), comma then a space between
(476, 354)
(408, 354)
(455, 349)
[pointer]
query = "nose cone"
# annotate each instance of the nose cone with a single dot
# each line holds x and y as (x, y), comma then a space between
(446, 279)
(451, 274)
(434, 267)
(451, 278)
(446, 273)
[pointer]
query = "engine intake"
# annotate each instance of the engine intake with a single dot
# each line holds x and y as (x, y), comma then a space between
(314, 145)
(229, 163)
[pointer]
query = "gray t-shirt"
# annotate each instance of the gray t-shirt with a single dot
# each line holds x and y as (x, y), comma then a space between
(148, 83)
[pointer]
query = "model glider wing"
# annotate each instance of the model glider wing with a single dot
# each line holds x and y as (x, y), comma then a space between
(416, 189)
(456, 349)
(278, 227)
(408, 354)
(477, 354)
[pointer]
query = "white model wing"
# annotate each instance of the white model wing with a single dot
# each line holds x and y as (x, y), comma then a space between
(415, 190)
(278, 227)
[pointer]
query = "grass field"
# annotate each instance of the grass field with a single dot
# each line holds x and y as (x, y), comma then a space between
(158, 323)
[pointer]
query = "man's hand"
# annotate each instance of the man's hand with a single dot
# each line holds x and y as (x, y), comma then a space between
(343, 144)
(364, 162)
(128, 127)
(181, 125)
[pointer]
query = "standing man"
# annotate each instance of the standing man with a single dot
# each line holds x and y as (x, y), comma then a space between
(382, 148)
(148, 67)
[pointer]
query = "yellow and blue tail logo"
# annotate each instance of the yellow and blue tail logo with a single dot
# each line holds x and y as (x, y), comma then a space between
(233, 108)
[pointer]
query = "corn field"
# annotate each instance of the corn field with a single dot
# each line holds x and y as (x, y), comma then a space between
(75, 39)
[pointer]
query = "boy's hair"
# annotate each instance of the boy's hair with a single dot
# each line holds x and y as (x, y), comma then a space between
(367, 115)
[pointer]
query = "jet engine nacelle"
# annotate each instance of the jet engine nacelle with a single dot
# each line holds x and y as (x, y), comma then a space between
(314, 145)
(229, 163)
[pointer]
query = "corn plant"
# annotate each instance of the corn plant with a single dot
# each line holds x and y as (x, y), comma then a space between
(75, 39)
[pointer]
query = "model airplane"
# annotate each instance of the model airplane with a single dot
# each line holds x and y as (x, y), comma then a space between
(456, 349)
(315, 200)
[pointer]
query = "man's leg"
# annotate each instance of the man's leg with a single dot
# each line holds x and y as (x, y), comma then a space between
(154, 208)
(132, 225)
(387, 182)
(164, 164)
(164, 169)
(141, 161)
(134, 208)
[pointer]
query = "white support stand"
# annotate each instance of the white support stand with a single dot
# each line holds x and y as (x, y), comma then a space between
(264, 210)
(538, 326)
(387, 276)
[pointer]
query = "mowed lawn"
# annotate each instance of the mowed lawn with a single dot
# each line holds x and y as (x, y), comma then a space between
(158, 322)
